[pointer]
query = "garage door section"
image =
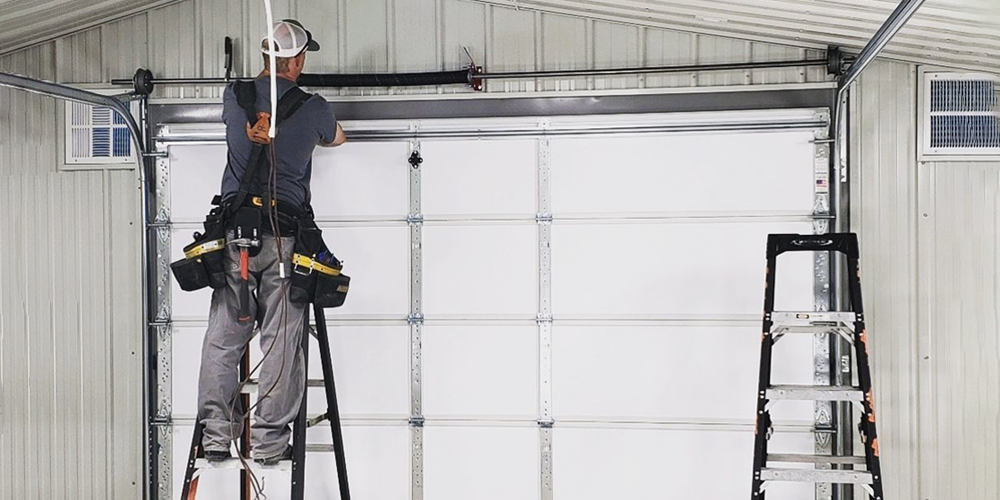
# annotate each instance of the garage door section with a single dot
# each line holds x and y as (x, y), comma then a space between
(565, 307)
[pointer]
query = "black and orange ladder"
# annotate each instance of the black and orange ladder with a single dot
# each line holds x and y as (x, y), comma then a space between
(848, 324)
(197, 464)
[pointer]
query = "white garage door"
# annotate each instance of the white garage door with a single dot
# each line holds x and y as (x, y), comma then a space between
(563, 311)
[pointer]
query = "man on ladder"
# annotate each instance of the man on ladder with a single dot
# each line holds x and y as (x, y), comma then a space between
(267, 190)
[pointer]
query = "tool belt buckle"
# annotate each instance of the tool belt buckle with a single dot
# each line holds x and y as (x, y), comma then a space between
(296, 266)
(259, 202)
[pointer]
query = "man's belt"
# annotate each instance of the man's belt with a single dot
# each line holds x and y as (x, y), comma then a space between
(259, 202)
(309, 265)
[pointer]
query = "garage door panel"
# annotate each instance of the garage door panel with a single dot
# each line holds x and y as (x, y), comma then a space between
(665, 229)
(641, 464)
(478, 177)
(195, 178)
(361, 180)
(480, 370)
(671, 373)
(186, 343)
(481, 463)
(485, 270)
(672, 269)
(370, 368)
(718, 172)
(378, 461)
(377, 258)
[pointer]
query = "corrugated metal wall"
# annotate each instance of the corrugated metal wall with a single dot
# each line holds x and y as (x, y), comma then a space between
(70, 316)
(930, 236)
(185, 40)
(959, 351)
(883, 212)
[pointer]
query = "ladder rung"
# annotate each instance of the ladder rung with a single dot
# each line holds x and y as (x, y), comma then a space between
(816, 476)
(813, 459)
(814, 393)
(813, 322)
(847, 317)
(813, 330)
(234, 463)
(253, 385)
(319, 448)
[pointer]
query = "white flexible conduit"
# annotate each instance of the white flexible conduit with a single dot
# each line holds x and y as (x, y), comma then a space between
(271, 64)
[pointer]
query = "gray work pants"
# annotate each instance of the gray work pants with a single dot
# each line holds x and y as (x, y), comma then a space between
(282, 372)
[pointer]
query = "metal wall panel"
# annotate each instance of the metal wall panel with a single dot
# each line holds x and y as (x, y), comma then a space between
(617, 45)
(185, 40)
(27, 127)
(883, 210)
(939, 34)
(70, 340)
(956, 32)
(959, 352)
(929, 237)
(173, 46)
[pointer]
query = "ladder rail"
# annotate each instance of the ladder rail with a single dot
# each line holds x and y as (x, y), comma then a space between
(299, 429)
(333, 408)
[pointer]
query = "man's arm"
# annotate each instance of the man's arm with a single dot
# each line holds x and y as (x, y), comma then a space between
(338, 139)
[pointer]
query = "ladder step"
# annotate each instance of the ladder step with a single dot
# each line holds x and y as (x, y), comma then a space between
(814, 393)
(324, 448)
(829, 317)
(813, 459)
(234, 463)
(813, 322)
(253, 385)
(816, 476)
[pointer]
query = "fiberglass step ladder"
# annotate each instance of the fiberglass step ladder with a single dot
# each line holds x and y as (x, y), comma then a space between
(851, 326)
(197, 464)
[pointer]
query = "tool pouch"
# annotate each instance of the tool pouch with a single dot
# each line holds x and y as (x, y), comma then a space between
(247, 223)
(316, 275)
(204, 260)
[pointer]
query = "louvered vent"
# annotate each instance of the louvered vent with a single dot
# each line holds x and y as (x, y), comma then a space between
(963, 115)
(96, 135)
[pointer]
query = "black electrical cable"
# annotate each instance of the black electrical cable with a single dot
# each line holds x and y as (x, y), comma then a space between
(386, 80)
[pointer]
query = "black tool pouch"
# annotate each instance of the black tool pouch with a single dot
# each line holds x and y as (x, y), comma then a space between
(247, 224)
(316, 275)
(204, 260)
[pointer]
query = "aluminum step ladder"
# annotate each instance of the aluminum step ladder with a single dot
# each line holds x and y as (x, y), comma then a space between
(849, 325)
(197, 464)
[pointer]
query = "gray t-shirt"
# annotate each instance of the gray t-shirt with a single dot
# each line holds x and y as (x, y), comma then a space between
(297, 136)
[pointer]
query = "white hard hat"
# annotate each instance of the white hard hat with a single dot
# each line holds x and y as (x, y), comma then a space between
(290, 39)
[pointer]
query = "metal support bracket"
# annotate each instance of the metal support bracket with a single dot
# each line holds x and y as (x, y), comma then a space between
(416, 322)
(543, 219)
(822, 298)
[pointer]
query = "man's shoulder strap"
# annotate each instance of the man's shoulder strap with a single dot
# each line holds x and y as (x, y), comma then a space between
(246, 96)
(289, 103)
